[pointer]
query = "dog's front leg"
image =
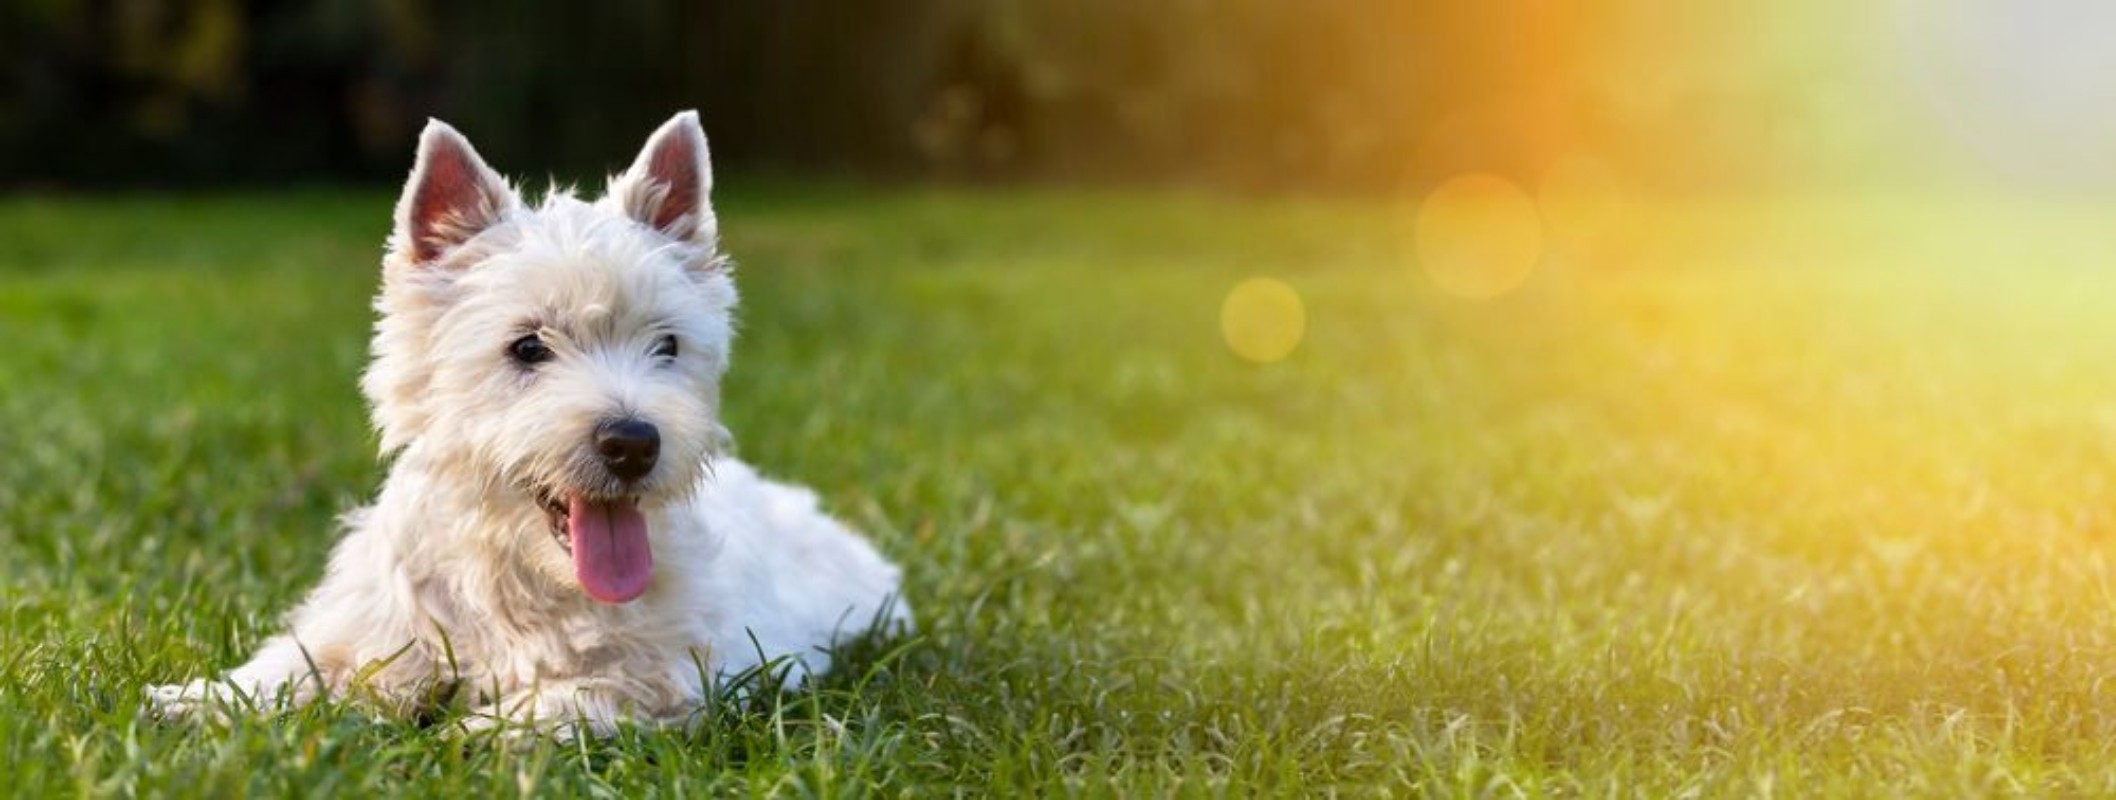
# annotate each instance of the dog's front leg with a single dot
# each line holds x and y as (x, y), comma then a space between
(355, 632)
(280, 675)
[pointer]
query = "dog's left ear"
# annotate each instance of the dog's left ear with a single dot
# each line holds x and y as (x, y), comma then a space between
(669, 187)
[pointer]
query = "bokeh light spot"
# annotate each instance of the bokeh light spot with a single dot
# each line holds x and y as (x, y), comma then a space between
(1479, 236)
(1263, 320)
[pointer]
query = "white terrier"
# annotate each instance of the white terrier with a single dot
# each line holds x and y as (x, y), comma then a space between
(560, 534)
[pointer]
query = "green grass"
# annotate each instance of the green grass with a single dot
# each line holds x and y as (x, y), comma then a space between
(1797, 497)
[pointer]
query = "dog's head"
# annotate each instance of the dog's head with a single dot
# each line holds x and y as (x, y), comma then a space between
(563, 356)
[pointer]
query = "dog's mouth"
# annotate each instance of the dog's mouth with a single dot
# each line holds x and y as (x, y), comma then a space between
(607, 539)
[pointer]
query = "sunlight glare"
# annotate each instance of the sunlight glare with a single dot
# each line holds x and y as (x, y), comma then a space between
(2029, 86)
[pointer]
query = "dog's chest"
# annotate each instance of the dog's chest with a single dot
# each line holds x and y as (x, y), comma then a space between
(520, 638)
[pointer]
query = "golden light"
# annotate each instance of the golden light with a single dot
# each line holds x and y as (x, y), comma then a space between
(1479, 236)
(1579, 198)
(1263, 320)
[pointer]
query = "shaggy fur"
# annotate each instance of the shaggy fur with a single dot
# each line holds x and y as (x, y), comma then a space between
(463, 576)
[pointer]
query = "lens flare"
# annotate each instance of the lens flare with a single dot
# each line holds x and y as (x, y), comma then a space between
(1263, 320)
(1479, 236)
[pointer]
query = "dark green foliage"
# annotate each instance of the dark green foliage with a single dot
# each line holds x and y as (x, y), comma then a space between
(1257, 93)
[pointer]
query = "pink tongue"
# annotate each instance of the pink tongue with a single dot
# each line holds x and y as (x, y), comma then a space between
(611, 558)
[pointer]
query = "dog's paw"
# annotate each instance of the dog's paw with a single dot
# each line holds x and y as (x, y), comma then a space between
(189, 702)
(555, 714)
(479, 724)
(488, 724)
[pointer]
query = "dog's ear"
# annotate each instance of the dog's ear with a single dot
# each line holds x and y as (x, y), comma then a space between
(451, 196)
(669, 187)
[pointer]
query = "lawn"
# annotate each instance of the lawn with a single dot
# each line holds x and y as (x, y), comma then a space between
(1794, 496)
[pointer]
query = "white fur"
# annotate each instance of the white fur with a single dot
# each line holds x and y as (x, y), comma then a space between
(452, 580)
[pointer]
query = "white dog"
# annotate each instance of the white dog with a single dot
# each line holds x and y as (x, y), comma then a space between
(560, 534)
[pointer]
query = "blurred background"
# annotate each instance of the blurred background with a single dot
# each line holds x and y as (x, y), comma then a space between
(1256, 95)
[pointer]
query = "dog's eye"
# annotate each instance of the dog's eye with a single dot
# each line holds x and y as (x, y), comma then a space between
(529, 350)
(665, 347)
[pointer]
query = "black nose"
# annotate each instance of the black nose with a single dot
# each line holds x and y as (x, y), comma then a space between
(628, 447)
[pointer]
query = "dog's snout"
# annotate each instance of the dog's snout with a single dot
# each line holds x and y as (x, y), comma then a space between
(628, 447)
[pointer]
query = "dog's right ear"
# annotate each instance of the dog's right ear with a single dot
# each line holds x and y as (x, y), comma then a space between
(451, 197)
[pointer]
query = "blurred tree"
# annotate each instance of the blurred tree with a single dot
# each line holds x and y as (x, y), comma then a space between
(1258, 93)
